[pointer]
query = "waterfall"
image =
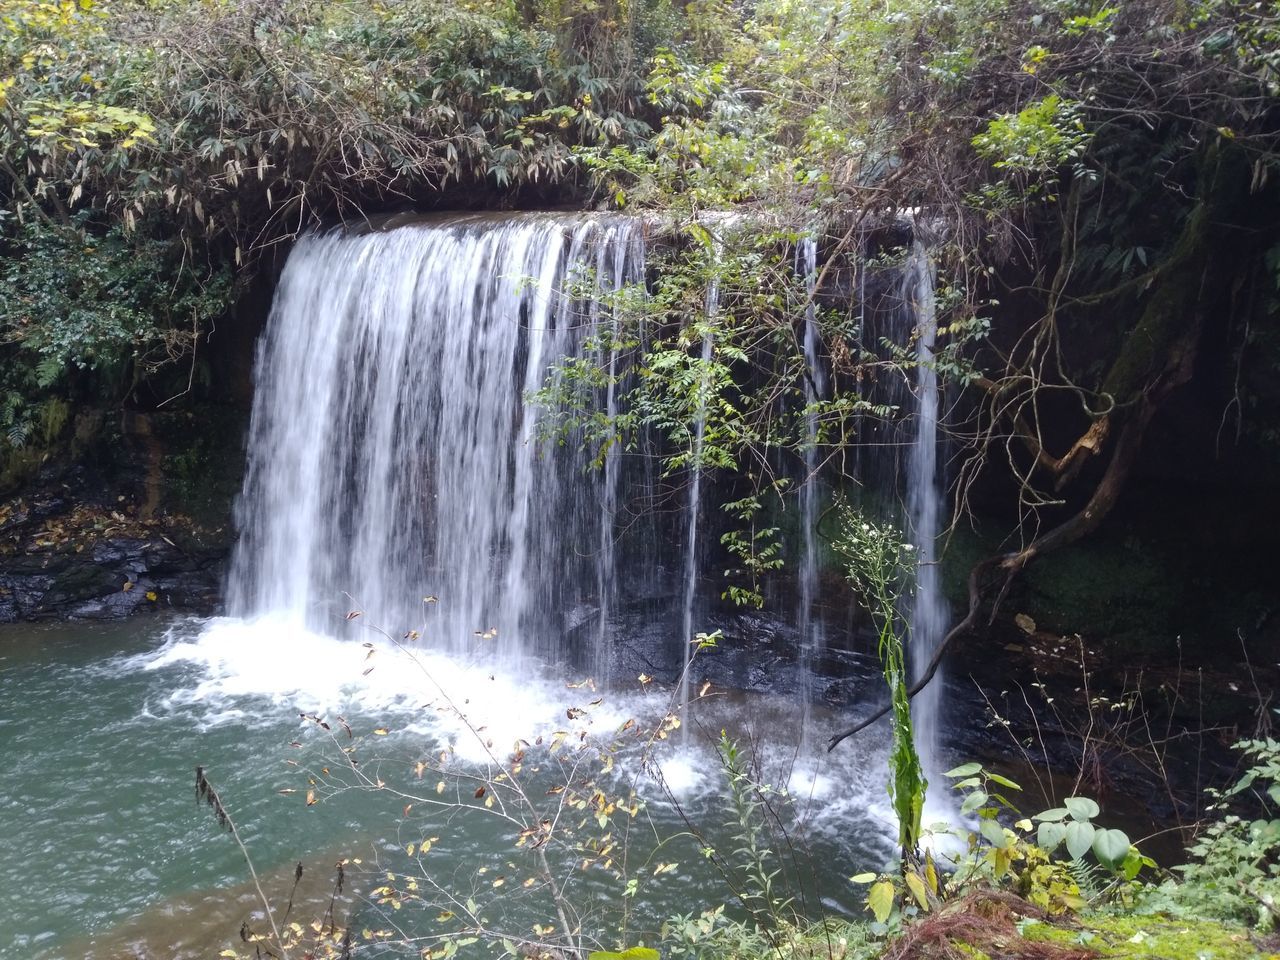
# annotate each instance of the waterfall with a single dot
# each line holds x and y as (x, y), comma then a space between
(692, 508)
(397, 472)
(928, 614)
(394, 465)
(808, 624)
(621, 271)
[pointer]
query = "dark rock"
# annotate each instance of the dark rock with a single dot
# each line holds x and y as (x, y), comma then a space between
(133, 514)
(115, 579)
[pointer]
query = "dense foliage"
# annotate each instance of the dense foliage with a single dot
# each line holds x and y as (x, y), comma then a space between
(152, 149)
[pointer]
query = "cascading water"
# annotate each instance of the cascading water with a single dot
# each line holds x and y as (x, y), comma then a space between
(392, 455)
(693, 508)
(606, 578)
(898, 463)
(928, 617)
(809, 626)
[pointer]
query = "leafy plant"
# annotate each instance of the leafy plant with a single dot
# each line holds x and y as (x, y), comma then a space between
(1026, 854)
(1234, 873)
(875, 556)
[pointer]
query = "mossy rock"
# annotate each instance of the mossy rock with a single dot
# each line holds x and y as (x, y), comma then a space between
(1124, 590)
(1151, 937)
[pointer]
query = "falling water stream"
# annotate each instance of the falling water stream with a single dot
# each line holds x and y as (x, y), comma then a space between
(928, 617)
(809, 624)
(693, 508)
(392, 455)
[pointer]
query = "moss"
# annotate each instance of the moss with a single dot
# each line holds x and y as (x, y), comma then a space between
(203, 462)
(1150, 937)
(18, 467)
(1124, 590)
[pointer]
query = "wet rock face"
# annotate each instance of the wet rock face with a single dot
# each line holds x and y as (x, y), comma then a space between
(114, 578)
(136, 520)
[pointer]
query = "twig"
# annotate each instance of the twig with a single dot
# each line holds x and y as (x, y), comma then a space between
(205, 792)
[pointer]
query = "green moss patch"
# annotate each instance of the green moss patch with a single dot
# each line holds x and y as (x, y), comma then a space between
(1151, 937)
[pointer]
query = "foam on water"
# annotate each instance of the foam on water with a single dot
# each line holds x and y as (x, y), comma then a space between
(229, 670)
(257, 672)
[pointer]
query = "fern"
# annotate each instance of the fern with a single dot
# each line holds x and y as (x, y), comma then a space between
(17, 433)
(1089, 877)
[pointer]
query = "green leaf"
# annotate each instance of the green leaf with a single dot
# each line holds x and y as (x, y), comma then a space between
(1134, 862)
(1079, 838)
(994, 834)
(1050, 835)
(1003, 781)
(631, 953)
(863, 878)
(1057, 813)
(880, 900)
(964, 770)
(1111, 847)
(973, 801)
(1081, 808)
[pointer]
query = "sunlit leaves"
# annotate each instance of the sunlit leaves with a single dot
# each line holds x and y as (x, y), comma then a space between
(880, 900)
(1036, 140)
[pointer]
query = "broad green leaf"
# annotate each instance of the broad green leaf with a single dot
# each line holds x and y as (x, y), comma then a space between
(964, 770)
(994, 833)
(1111, 847)
(863, 878)
(1079, 838)
(973, 801)
(631, 953)
(1050, 835)
(880, 900)
(1081, 808)
(1003, 781)
(1057, 813)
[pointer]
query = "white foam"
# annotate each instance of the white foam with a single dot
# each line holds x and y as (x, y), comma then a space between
(233, 671)
(686, 772)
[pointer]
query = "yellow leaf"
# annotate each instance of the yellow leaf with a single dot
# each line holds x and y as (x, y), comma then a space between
(916, 886)
(382, 731)
(931, 875)
(151, 595)
(311, 797)
(880, 900)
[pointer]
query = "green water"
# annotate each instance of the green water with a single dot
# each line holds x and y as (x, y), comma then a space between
(108, 854)
(97, 790)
